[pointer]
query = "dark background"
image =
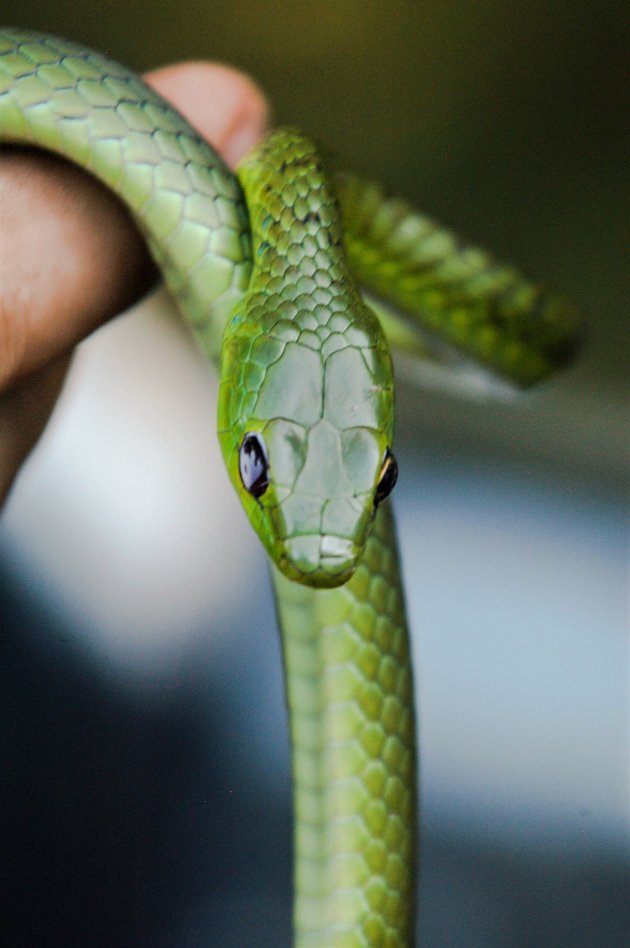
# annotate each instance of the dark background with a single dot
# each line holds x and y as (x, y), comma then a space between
(129, 818)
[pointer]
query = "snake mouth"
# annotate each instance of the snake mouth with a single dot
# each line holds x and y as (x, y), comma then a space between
(323, 561)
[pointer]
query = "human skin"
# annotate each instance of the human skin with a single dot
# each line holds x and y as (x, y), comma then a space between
(71, 258)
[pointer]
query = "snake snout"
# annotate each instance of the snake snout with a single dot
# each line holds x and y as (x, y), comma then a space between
(321, 560)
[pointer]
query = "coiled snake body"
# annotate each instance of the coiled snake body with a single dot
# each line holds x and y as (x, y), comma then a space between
(264, 270)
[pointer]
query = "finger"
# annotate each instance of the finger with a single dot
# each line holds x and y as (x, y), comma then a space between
(24, 411)
(72, 257)
(240, 112)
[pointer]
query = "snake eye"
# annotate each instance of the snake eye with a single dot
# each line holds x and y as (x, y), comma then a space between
(253, 464)
(387, 478)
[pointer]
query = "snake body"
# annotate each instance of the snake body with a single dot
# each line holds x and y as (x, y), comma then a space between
(262, 268)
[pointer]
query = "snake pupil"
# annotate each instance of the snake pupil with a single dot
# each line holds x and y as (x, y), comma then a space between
(387, 479)
(253, 464)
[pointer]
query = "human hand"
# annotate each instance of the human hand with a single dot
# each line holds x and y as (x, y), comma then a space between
(71, 258)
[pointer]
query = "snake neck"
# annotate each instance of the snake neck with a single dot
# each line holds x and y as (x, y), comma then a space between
(294, 215)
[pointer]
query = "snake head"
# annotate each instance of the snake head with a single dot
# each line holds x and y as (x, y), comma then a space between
(305, 425)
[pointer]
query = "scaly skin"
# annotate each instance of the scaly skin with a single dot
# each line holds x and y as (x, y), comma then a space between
(305, 368)
(303, 319)
(346, 649)
(443, 286)
(350, 697)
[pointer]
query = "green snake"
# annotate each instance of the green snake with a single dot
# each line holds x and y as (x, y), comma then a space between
(265, 268)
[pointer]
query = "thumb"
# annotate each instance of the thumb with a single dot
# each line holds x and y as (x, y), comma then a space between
(238, 113)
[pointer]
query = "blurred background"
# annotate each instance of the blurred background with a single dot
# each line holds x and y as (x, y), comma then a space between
(146, 791)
